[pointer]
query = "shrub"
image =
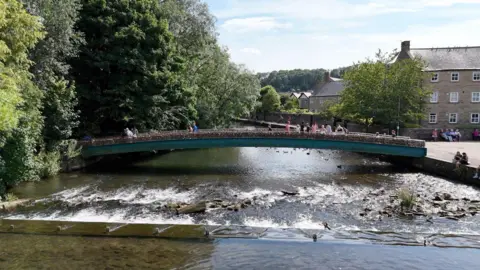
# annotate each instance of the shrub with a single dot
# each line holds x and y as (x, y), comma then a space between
(10, 197)
(48, 164)
(407, 198)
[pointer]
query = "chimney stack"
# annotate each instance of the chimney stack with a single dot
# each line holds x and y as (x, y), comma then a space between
(326, 76)
(406, 46)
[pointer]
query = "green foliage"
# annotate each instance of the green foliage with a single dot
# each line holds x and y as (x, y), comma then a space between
(383, 93)
(69, 149)
(128, 70)
(269, 98)
(330, 109)
(222, 89)
(51, 69)
(292, 80)
(48, 164)
(19, 32)
(10, 197)
(291, 104)
(407, 198)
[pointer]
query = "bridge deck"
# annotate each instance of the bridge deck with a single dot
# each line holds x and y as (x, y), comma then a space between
(355, 142)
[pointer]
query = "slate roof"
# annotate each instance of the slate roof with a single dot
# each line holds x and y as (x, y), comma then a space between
(297, 95)
(458, 58)
(331, 88)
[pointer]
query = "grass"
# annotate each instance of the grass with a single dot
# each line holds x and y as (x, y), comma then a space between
(407, 198)
(10, 197)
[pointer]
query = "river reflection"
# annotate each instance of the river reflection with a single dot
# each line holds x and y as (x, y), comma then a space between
(65, 252)
(331, 186)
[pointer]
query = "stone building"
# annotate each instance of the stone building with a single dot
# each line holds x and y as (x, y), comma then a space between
(455, 82)
(303, 100)
(328, 90)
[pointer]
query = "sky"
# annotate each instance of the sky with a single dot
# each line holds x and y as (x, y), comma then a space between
(268, 35)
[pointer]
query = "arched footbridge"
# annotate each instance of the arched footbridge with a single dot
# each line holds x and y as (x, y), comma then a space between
(353, 142)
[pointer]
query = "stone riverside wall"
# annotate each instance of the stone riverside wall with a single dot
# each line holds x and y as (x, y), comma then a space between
(426, 133)
(295, 119)
(414, 133)
(442, 168)
(215, 134)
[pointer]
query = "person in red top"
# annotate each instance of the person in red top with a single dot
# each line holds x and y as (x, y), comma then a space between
(476, 135)
(434, 134)
(288, 126)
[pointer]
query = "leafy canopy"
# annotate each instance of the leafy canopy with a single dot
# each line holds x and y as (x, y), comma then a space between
(383, 92)
(128, 71)
(270, 99)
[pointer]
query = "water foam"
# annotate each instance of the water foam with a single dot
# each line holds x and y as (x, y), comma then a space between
(112, 216)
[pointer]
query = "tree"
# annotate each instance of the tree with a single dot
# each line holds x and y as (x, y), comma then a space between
(383, 92)
(270, 99)
(129, 72)
(51, 69)
(292, 80)
(291, 104)
(22, 124)
(223, 90)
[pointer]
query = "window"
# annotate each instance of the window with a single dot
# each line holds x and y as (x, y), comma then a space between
(476, 76)
(455, 77)
(434, 77)
(475, 96)
(452, 119)
(434, 97)
(453, 97)
(432, 118)
(475, 118)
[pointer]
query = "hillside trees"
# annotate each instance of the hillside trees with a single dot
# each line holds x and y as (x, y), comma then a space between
(292, 80)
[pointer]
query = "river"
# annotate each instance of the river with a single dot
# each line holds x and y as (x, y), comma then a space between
(346, 190)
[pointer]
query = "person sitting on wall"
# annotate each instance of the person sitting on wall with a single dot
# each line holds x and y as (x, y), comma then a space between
(302, 127)
(445, 136)
(435, 134)
(329, 129)
(476, 173)
(458, 134)
(195, 128)
(476, 135)
(339, 130)
(463, 160)
(270, 127)
(457, 157)
(322, 130)
(394, 133)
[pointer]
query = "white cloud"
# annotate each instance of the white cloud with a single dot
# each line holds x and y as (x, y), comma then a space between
(311, 9)
(254, 24)
(332, 33)
(447, 3)
(251, 51)
(334, 50)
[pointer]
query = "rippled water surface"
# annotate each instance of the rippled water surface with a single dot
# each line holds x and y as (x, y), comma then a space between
(331, 186)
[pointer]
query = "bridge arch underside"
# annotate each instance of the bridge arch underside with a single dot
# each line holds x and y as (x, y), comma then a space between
(350, 146)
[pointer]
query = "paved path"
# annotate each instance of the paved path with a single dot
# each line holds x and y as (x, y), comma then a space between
(446, 151)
